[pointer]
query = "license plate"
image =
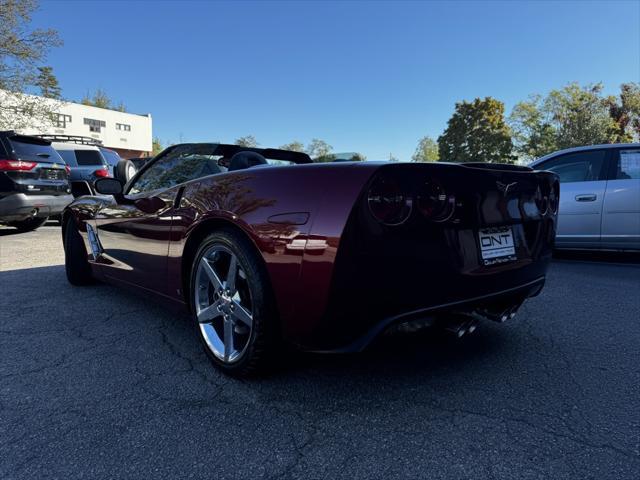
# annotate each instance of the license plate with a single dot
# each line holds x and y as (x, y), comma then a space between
(51, 174)
(496, 245)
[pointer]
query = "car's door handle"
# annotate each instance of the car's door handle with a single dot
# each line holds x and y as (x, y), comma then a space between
(586, 198)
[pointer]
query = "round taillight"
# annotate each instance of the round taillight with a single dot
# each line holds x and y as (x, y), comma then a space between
(542, 201)
(554, 198)
(387, 201)
(434, 202)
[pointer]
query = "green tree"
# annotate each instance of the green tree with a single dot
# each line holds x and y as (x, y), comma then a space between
(358, 157)
(100, 99)
(22, 50)
(48, 83)
(533, 133)
(580, 114)
(427, 151)
(569, 117)
(625, 112)
(294, 146)
(156, 146)
(247, 141)
(477, 131)
(320, 150)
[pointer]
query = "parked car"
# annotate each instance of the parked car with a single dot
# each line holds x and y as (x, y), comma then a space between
(33, 181)
(599, 196)
(323, 256)
(122, 169)
(89, 161)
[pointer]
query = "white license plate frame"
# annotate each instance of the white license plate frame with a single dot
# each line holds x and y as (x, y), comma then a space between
(496, 245)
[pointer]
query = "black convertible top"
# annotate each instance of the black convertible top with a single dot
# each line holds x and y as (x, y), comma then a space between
(228, 151)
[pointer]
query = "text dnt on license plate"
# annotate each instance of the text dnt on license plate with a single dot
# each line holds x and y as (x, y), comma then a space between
(496, 245)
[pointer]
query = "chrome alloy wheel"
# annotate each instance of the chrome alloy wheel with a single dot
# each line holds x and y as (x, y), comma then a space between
(223, 303)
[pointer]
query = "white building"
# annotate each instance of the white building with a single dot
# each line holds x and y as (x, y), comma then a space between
(129, 134)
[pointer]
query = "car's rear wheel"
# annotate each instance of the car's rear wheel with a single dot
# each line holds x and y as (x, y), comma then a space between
(76, 264)
(232, 304)
(29, 224)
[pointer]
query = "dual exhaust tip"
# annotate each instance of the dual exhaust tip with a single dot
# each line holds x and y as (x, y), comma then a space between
(466, 323)
(499, 315)
(459, 324)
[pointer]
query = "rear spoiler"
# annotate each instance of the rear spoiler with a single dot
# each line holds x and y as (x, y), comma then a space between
(228, 151)
(498, 166)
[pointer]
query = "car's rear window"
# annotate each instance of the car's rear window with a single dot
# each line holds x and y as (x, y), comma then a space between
(112, 157)
(88, 157)
(69, 157)
(35, 150)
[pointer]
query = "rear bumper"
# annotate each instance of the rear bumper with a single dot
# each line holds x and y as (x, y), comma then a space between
(510, 295)
(18, 207)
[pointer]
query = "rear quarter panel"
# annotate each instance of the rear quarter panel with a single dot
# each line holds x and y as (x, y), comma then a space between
(299, 258)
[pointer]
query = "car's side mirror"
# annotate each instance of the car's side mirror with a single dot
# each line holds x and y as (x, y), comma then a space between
(108, 186)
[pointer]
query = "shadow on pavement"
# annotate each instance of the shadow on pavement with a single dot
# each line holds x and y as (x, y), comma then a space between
(6, 230)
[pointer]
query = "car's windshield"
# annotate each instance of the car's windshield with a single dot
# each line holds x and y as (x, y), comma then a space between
(177, 168)
(185, 163)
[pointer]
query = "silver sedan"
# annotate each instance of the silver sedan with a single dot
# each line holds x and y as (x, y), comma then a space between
(599, 196)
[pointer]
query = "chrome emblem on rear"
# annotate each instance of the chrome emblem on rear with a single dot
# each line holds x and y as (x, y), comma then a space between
(504, 187)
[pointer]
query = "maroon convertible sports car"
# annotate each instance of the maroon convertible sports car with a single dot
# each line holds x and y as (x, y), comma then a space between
(265, 246)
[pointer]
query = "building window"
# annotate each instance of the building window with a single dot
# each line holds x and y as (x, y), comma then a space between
(123, 126)
(95, 125)
(60, 120)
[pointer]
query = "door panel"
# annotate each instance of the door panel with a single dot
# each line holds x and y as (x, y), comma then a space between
(621, 213)
(135, 243)
(135, 234)
(582, 188)
(580, 213)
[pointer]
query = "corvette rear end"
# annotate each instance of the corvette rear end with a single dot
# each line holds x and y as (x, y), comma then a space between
(439, 243)
(264, 246)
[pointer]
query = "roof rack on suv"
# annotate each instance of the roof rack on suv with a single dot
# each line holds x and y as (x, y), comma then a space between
(71, 139)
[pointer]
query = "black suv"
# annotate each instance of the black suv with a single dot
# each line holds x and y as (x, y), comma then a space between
(34, 181)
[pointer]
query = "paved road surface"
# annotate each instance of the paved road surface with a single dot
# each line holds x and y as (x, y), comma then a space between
(97, 382)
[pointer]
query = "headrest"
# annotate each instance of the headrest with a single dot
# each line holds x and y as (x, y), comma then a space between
(242, 160)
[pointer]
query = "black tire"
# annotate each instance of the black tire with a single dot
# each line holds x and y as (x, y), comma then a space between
(264, 339)
(125, 170)
(75, 257)
(29, 224)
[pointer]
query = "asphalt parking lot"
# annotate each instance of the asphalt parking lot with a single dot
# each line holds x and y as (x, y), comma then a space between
(98, 382)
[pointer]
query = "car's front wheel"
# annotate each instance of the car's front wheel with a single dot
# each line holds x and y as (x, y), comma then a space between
(76, 264)
(29, 224)
(232, 304)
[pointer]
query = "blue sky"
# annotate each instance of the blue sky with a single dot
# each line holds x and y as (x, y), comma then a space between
(371, 77)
